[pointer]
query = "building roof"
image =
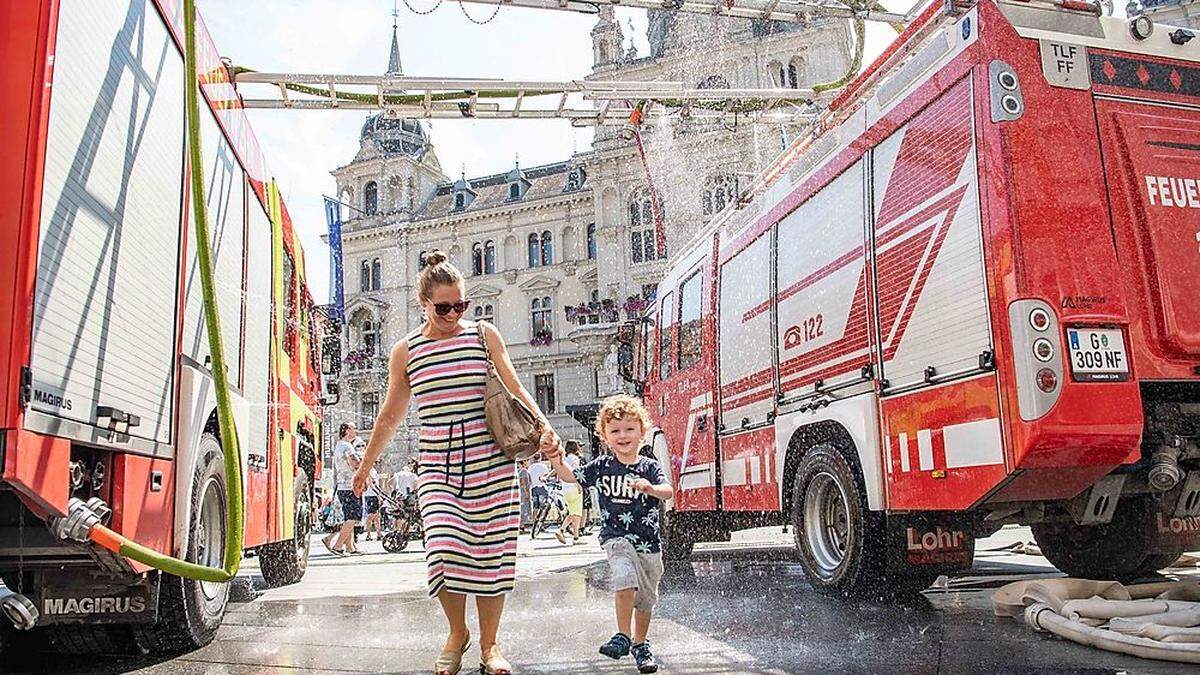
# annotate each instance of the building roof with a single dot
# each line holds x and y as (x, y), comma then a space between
(491, 191)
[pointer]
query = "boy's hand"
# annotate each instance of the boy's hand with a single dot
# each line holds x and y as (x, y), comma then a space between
(641, 485)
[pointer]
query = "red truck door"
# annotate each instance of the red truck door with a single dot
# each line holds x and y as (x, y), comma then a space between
(1153, 151)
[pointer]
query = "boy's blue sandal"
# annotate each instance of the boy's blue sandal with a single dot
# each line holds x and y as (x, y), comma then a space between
(645, 659)
(617, 646)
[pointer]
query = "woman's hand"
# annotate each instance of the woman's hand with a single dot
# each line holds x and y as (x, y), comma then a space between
(549, 442)
(361, 478)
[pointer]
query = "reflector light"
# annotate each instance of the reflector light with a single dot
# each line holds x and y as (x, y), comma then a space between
(1042, 350)
(1039, 319)
(1047, 381)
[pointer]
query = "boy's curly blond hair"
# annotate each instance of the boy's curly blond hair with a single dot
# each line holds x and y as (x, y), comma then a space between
(620, 407)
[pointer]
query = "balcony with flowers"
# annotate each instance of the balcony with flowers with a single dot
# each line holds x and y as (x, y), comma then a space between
(596, 323)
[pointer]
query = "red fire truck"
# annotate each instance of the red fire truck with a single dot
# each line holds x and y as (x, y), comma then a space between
(970, 297)
(107, 403)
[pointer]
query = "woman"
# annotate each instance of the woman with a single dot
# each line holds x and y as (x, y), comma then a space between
(572, 496)
(466, 487)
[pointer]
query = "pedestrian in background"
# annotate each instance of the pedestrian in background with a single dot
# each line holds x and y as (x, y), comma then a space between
(631, 489)
(346, 461)
(572, 496)
(524, 486)
(466, 486)
(371, 507)
(539, 495)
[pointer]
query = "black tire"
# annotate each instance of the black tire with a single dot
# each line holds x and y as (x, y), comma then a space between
(539, 522)
(1114, 550)
(285, 562)
(677, 541)
(190, 612)
(843, 554)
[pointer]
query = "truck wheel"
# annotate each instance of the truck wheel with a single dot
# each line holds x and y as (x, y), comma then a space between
(1114, 550)
(189, 612)
(837, 538)
(285, 562)
(677, 541)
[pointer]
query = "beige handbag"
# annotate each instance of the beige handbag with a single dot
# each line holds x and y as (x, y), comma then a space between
(516, 428)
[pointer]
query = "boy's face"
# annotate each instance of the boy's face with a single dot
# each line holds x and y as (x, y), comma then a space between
(623, 434)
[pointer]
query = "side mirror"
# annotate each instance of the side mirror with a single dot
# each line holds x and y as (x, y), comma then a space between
(331, 355)
(333, 394)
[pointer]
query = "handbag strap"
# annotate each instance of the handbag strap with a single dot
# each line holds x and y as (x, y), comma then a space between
(487, 353)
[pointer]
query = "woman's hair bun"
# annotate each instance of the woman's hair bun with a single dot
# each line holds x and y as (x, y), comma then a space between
(435, 258)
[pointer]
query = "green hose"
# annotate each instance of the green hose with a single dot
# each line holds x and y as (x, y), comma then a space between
(233, 464)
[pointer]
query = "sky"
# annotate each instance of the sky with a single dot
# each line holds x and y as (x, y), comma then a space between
(354, 37)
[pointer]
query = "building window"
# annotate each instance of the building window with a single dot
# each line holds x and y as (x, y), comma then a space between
(543, 387)
(460, 201)
(719, 191)
(477, 259)
(793, 75)
(713, 82)
(535, 250)
(364, 276)
(485, 313)
(514, 191)
(489, 257)
(541, 320)
(591, 241)
(689, 321)
(368, 410)
(376, 274)
(547, 249)
(643, 236)
(370, 336)
(370, 198)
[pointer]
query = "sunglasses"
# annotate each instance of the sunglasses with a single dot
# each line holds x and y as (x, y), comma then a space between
(444, 308)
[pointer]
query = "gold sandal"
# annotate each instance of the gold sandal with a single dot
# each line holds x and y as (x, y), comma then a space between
(449, 662)
(495, 664)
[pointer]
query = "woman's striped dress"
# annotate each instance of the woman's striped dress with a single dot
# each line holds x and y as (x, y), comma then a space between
(466, 487)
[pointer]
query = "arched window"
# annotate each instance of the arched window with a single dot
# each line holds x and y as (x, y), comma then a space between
(364, 276)
(796, 74)
(376, 274)
(713, 82)
(591, 241)
(460, 201)
(719, 191)
(514, 191)
(535, 250)
(547, 249)
(370, 198)
(489, 257)
(541, 318)
(477, 259)
(484, 313)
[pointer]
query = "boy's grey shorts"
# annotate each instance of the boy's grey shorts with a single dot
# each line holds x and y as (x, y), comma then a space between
(630, 569)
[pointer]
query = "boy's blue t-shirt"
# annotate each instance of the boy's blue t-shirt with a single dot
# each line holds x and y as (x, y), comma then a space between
(625, 512)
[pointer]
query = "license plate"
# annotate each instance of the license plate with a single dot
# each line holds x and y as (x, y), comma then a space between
(1098, 354)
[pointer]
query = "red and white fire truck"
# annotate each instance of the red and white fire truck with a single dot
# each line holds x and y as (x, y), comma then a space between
(107, 400)
(970, 297)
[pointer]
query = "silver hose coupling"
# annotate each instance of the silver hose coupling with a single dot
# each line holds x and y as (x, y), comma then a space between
(79, 521)
(1164, 472)
(19, 609)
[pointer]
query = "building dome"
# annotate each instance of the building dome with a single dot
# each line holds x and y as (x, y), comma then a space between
(394, 135)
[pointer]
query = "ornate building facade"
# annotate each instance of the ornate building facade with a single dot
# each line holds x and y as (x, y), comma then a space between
(557, 255)
(1184, 13)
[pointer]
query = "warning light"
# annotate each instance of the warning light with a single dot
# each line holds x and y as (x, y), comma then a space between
(1042, 350)
(1141, 27)
(1039, 319)
(1047, 381)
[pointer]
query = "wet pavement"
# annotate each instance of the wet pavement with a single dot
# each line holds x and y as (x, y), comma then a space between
(736, 608)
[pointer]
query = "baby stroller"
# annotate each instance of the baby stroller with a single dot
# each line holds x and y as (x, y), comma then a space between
(404, 520)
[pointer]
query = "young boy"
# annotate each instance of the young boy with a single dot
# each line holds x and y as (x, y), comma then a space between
(630, 488)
